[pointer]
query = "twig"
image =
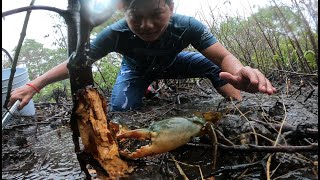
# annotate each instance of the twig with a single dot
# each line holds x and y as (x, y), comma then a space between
(255, 148)
(61, 12)
(291, 72)
(56, 115)
(22, 125)
(223, 138)
(284, 175)
(214, 139)
(179, 168)
(310, 94)
(190, 165)
(178, 99)
(264, 137)
(236, 168)
(7, 53)
(275, 169)
(277, 139)
(288, 85)
(254, 131)
(16, 55)
(201, 88)
(276, 127)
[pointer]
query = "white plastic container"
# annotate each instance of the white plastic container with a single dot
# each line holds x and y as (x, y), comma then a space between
(21, 77)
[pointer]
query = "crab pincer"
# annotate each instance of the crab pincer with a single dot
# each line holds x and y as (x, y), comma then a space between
(164, 136)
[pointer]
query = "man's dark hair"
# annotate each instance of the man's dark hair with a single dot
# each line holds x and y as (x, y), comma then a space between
(129, 3)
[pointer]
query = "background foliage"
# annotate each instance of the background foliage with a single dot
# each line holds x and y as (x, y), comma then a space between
(277, 39)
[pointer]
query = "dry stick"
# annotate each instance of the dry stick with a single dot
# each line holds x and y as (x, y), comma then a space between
(190, 165)
(12, 127)
(310, 94)
(288, 128)
(223, 138)
(255, 134)
(234, 168)
(214, 144)
(292, 72)
(55, 116)
(8, 54)
(254, 148)
(16, 55)
(264, 137)
(284, 175)
(276, 142)
(173, 107)
(288, 83)
(276, 127)
(63, 13)
(179, 168)
(275, 169)
(269, 149)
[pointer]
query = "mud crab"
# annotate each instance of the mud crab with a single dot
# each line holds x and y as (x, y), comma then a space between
(165, 135)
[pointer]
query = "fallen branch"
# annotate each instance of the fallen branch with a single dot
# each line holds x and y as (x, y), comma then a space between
(235, 168)
(16, 55)
(256, 148)
(290, 129)
(189, 165)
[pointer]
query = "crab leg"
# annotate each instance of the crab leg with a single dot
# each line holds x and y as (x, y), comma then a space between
(140, 134)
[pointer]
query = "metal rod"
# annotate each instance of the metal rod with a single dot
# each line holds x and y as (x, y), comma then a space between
(6, 117)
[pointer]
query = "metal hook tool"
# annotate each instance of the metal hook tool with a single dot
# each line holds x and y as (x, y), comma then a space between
(8, 114)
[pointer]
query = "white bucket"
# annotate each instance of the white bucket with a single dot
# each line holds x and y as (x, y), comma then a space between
(21, 77)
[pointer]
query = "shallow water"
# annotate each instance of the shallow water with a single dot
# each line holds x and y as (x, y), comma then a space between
(53, 158)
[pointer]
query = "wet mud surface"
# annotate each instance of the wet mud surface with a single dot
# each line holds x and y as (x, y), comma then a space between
(41, 147)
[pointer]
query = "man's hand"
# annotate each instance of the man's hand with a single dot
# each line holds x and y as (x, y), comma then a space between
(24, 94)
(249, 80)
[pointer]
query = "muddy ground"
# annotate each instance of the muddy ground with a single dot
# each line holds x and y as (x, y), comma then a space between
(41, 147)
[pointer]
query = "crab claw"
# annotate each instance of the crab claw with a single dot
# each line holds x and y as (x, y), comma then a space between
(147, 150)
(165, 135)
(141, 134)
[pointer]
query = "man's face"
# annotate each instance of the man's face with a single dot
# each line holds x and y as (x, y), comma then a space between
(148, 19)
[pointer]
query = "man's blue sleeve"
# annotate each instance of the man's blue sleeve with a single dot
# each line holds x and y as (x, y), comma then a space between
(201, 37)
(103, 44)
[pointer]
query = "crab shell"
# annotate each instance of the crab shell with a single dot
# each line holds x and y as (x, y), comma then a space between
(165, 135)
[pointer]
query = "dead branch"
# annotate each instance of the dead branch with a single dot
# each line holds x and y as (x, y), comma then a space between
(16, 55)
(243, 115)
(61, 12)
(256, 148)
(8, 54)
(292, 130)
(310, 94)
(235, 168)
(223, 138)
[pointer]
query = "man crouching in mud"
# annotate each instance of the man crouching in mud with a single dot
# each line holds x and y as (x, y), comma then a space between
(151, 39)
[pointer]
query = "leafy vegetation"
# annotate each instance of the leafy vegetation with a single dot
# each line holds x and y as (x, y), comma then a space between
(277, 37)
